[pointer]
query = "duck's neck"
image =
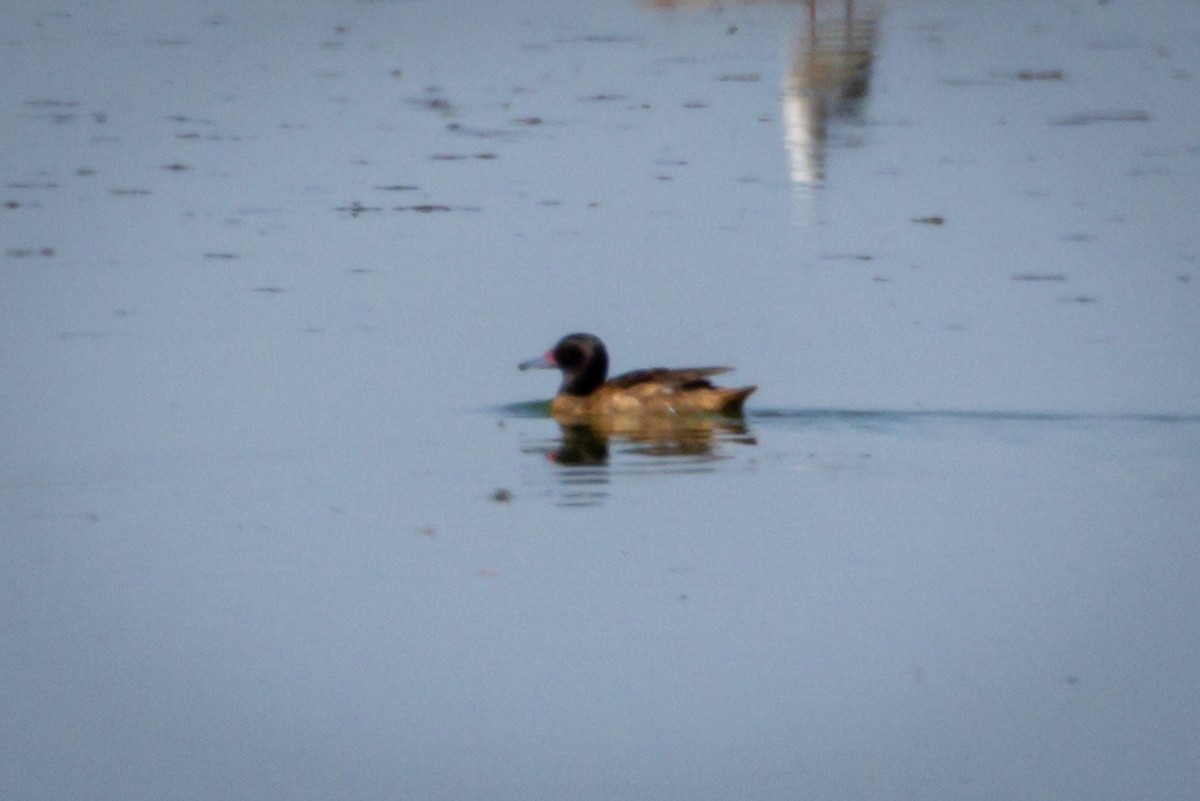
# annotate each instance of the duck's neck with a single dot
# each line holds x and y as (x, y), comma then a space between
(588, 378)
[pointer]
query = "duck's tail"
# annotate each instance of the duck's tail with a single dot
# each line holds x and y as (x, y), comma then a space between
(733, 399)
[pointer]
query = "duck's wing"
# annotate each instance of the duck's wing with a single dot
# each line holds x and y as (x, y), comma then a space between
(685, 378)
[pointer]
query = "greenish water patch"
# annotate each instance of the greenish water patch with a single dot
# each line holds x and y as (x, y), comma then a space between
(524, 409)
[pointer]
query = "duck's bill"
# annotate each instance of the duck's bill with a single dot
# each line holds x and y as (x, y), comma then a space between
(540, 363)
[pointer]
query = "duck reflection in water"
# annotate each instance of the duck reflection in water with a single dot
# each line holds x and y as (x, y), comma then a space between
(660, 411)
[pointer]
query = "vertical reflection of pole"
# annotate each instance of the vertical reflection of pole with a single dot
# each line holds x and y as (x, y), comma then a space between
(826, 81)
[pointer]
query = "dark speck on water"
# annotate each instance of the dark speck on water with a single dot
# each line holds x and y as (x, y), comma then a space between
(606, 38)
(189, 120)
(46, 102)
(847, 257)
(25, 253)
(462, 157)
(933, 220)
(425, 208)
(1089, 117)
(1040, 75)
(438, 104)
(1039, 277)
(356, 208)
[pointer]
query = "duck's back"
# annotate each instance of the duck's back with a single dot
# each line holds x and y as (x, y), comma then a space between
(658, 389)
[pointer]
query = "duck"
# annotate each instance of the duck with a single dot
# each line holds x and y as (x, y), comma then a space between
(587, 392)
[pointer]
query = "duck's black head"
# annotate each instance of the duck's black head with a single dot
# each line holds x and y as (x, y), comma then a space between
(582, 359)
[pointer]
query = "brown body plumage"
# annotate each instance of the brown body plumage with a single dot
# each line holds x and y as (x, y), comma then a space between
(585, 393)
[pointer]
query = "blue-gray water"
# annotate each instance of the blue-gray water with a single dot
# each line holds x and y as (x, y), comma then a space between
(280, 519)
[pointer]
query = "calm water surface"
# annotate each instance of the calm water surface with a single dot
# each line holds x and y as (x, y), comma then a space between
(279, 517)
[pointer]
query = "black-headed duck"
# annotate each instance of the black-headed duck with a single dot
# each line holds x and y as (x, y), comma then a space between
(585, 393)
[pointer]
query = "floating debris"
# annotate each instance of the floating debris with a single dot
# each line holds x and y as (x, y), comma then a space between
(462, 157)
(528, 120)
(1039, 277)
(396, 188)
(270, 290)
(740, 77)
(429, 208)
(480, 133)
(607, 38)
(1040, 75)
(356, 208)
(970, 83)
(25, 253)
(181, 118)
(437, 104)
(425, 208)
(46, 102)
(1089, 117)
(176, 167)
(935, 219)
(502, 495)
(846, 257)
